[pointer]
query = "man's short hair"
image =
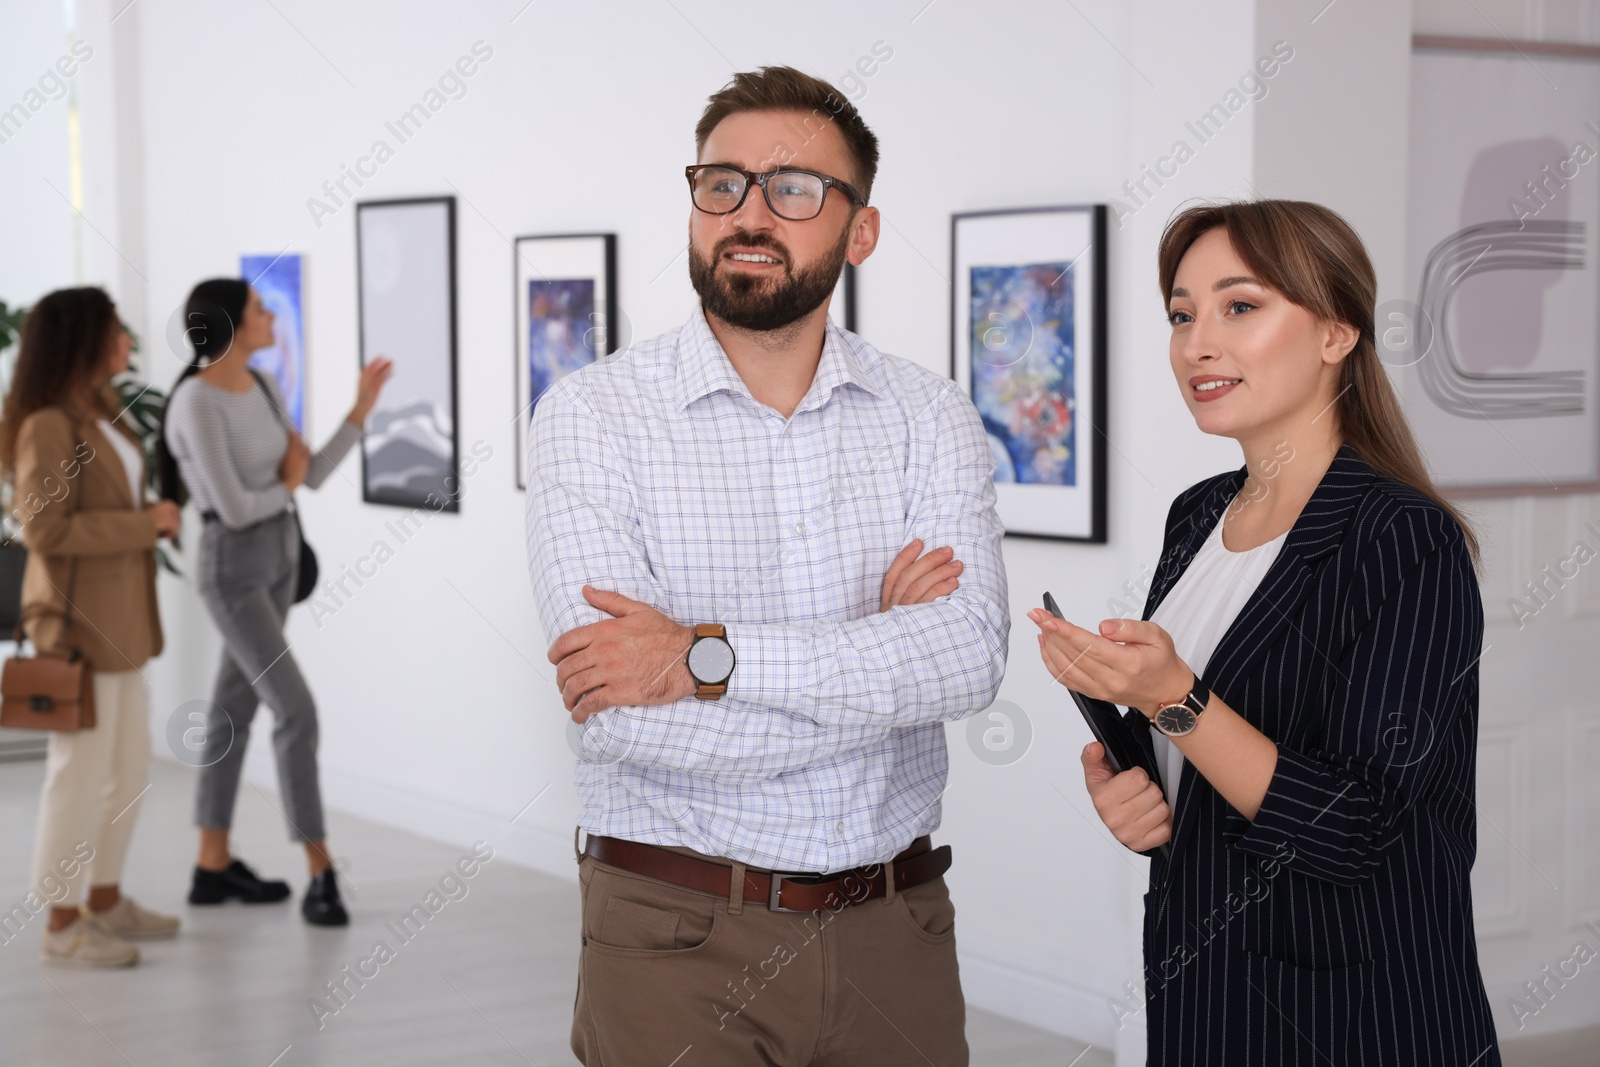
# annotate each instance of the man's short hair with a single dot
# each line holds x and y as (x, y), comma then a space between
(788, 89)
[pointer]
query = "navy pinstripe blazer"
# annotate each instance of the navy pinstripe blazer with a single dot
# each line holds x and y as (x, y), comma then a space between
(1336, 928)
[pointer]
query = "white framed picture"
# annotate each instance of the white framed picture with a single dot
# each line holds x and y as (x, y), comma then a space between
(566, 316)
(1028, 345)
(1496, 350)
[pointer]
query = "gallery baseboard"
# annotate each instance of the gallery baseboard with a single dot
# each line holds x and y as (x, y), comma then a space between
(17, 745)
(999, 980)
(994, 977)
(534, 847)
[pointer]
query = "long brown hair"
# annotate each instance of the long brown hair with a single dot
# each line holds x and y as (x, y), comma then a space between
(64, 343)
(1316, 260)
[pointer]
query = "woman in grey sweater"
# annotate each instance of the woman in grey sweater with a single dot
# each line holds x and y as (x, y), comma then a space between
(227, 442)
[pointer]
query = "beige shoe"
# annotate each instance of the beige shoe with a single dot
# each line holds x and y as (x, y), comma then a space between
(87, 944)
(129, 921)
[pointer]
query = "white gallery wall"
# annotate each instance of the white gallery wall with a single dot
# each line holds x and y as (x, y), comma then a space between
(1536, 884)
(211, 131)
(35, 160)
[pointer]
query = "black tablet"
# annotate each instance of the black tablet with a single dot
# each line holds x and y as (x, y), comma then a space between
(1123, 748)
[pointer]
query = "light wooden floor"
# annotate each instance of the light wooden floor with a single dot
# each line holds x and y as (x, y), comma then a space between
(489, 980)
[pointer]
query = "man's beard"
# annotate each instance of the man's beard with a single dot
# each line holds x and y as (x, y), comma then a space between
(761, 304)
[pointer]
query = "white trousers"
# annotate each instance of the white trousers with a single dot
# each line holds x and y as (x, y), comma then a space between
(91, 782)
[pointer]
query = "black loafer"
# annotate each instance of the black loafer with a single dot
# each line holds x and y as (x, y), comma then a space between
(322, 906)
(238, 881)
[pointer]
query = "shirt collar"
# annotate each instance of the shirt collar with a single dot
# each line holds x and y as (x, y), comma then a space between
(704, 368)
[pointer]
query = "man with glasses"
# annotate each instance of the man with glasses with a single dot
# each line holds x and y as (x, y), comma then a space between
(727, 528)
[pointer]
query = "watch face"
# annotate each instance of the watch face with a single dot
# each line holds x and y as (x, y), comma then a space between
(711, 660)
(1175, 720)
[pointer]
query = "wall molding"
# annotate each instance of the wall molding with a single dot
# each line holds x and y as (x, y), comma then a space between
(1516, 918)
(1581, 794)
(1425, 42)
(1581, 510)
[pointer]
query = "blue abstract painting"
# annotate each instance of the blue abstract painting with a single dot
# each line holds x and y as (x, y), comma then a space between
(277, 280)
(561, 331)
(1023, 366)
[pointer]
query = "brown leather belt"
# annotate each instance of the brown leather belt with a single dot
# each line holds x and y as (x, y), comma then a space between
(779, 891)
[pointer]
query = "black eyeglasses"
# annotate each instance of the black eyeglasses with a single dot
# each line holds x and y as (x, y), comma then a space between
(796, 195)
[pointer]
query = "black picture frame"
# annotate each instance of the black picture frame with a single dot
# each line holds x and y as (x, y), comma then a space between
(843, 308)
(1017, 239)
(408, 459)
(560, 259)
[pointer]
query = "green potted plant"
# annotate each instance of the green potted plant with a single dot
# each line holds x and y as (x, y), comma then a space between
(141, 406)
(12, 555)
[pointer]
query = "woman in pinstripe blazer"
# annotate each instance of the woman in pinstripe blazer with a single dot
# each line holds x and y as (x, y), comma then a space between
(1315, 905)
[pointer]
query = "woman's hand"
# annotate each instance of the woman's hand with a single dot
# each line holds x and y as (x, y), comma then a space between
(917, 581)
(168, 518)
(368, 386)
(296, 460)
(1128, 662)
(1133, 807)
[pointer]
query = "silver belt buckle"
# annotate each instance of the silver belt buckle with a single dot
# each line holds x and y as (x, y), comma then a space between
(777, 890)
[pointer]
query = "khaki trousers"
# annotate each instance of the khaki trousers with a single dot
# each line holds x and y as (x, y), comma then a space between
(669, 975)
(91, 780)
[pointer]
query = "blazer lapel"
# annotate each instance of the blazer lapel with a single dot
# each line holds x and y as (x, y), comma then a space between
(89, 432)
(1316, 533)
(1189, 533)
(1271, 608)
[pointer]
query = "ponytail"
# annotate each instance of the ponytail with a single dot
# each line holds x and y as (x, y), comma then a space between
(210, 315)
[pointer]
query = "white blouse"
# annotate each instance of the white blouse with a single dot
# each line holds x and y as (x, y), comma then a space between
(1198, 610)
(132, 459)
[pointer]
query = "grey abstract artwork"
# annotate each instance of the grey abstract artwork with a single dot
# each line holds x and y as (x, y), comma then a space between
(405, 252)
(1498, 358)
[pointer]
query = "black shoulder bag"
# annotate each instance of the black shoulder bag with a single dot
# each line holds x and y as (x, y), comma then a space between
(306, 580)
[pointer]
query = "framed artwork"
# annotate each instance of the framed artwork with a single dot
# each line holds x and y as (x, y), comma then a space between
(278, 280)
(843, 308)
(566, 311)
(406, 279)
(1028, 345)
(1496, 353)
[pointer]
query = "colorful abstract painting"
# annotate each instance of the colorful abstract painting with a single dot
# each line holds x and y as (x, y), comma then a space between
(1023, 370)
(566, 316)
(277, 280)
(561, 331)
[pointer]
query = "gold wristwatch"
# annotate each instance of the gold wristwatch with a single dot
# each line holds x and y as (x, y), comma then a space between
(1182, 716)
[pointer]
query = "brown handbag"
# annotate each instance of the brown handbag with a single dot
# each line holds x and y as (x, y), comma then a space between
(48, 692)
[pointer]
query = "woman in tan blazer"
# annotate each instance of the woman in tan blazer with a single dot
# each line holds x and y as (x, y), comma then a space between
(78, 481)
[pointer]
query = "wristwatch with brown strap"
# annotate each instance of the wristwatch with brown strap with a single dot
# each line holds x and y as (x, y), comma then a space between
(710, 661)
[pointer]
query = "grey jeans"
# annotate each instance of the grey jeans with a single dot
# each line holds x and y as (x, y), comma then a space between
(247, 580)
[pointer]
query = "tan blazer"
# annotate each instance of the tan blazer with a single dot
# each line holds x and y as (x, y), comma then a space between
(74, 503)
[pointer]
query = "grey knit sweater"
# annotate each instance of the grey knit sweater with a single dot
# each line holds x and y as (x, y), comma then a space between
(229, 447)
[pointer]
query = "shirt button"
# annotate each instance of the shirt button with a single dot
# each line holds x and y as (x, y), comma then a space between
(800, 528)
(839, 829)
